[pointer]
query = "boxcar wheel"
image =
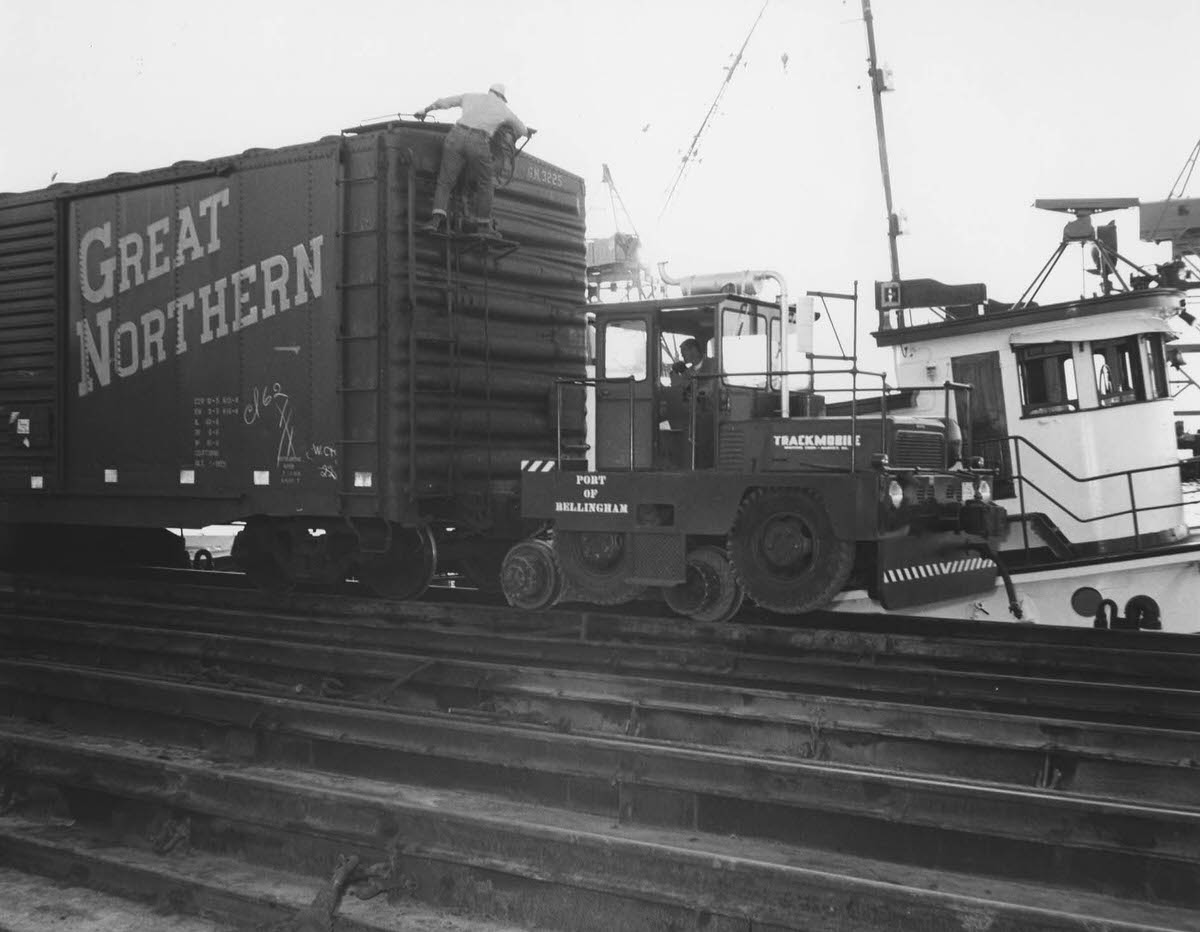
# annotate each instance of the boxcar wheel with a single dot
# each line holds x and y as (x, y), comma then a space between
(595, 566)
(405, 569)
(259, 550)
(785, 553)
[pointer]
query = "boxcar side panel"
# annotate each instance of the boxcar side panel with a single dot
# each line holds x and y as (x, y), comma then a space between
(201, 322)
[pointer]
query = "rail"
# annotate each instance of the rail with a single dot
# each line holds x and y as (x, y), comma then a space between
(1017, 441)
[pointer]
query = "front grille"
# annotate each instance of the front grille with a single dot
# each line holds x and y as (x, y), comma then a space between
(937, 491)
(921, 449)
(733, 447)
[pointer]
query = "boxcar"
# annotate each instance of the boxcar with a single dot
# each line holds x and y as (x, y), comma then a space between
(271, 338)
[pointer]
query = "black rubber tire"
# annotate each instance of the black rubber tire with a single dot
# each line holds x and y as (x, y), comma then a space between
(784, 551)
(722, 596)
(406, 569)
(595, 566)
(530, 576)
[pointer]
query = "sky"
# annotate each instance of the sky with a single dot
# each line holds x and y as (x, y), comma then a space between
(995, 104)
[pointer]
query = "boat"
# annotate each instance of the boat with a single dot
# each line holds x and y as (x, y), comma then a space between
(1072, 403)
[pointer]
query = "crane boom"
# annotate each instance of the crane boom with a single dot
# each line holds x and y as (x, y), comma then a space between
(691, 149)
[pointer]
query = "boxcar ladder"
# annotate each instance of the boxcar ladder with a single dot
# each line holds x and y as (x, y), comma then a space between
(362, 332)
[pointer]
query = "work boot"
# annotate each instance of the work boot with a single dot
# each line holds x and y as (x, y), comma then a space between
(436, 224)
(487, 230)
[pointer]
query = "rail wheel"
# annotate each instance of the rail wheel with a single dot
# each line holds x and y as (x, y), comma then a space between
(406, 568)
(595, 566)
(530, 575)
(711, 592)
(785, 553)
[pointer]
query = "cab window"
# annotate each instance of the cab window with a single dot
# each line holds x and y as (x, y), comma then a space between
(671, 360)
(625, 349)
(745, 349)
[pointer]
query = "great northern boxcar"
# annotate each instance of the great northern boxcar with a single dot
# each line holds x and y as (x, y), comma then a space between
(271, 338)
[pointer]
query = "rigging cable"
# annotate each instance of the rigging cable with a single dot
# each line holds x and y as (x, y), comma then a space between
(691, 150)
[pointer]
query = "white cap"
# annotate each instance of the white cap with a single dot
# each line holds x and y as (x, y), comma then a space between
(498, 90)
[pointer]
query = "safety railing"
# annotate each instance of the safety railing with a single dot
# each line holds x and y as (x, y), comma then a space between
(949, 390)
(1133, 511)
(559, 384)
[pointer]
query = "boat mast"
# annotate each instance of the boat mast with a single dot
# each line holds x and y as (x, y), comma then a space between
(877, 88)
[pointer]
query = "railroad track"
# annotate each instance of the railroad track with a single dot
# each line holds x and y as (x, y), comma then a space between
(601, 771)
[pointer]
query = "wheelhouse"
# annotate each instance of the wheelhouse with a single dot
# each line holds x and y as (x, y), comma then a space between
(1071, 403)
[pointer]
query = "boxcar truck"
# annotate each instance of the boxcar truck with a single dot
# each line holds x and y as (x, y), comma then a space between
(702, 488)
(271, 339)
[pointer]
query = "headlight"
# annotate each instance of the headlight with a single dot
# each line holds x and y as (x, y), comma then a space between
(895, 493)
(985, 490)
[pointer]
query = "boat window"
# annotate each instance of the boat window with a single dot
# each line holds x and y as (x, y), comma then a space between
(1047, 374)
(745, 353)
(1156, 365)
(625, 349)
(1118, 371)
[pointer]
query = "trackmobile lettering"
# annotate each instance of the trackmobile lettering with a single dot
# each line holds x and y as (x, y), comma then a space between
(817, 441)
(602, 508)
(225, 305)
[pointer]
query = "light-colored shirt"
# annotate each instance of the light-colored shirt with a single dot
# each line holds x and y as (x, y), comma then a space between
(481, 111)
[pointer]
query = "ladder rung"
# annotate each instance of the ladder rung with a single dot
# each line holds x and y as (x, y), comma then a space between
(353, 388)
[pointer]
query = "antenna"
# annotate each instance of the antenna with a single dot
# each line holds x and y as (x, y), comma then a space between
(691, 150)
(1081, 230)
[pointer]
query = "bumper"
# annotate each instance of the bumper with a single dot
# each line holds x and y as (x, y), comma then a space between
(913, 570)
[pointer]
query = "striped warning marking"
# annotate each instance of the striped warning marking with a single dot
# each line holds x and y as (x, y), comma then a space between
(933, 570)
(537, 465)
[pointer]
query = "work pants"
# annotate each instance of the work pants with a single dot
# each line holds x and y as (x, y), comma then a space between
(469, 149)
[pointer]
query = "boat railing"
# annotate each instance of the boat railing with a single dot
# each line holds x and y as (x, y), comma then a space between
(1021, 481)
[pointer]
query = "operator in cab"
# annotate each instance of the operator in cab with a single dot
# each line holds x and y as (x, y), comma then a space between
(692, 363)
